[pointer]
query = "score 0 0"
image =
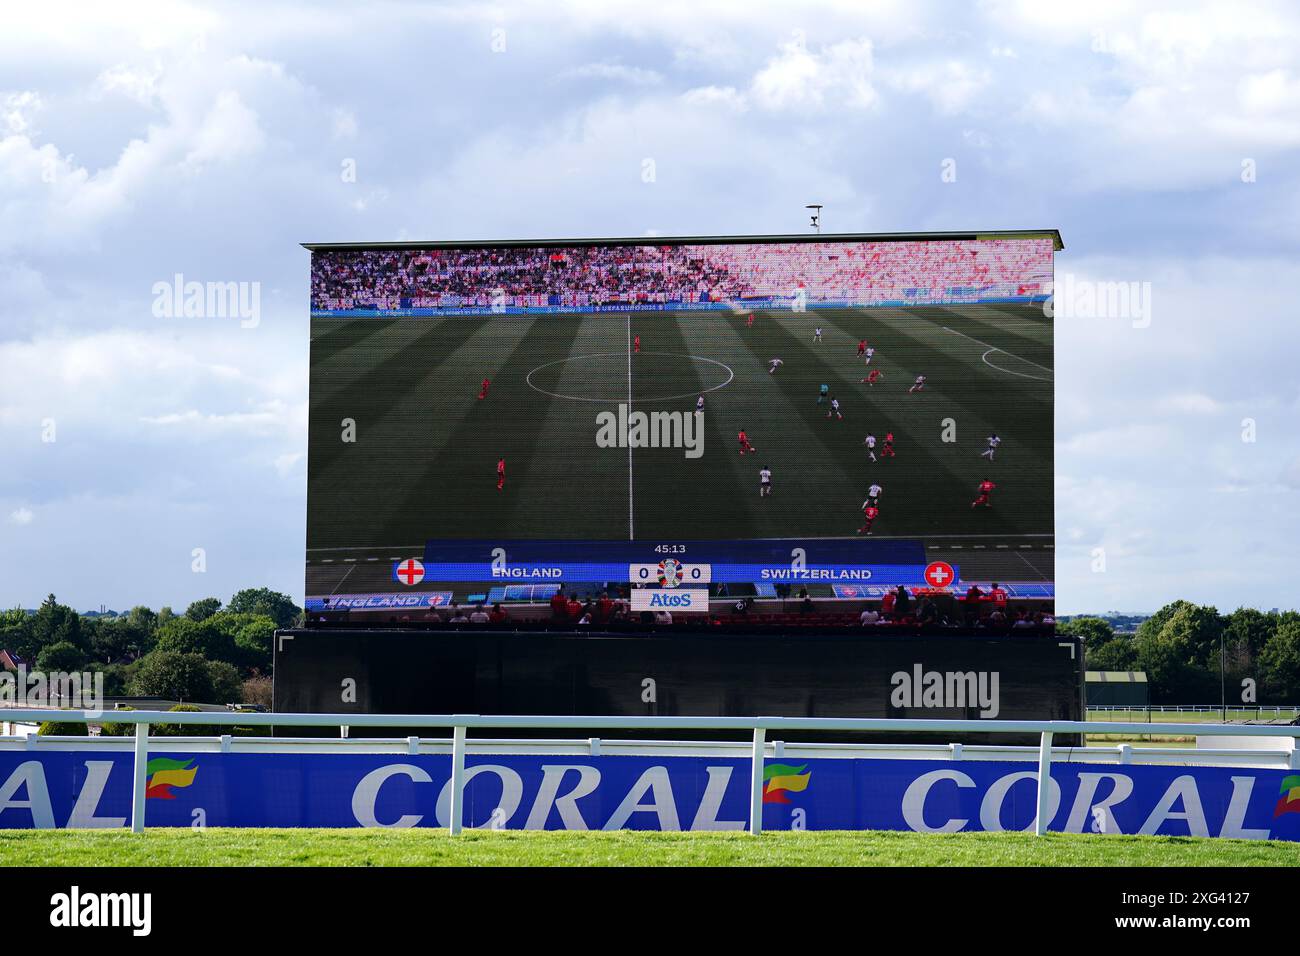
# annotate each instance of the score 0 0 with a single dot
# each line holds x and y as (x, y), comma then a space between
(670, 573)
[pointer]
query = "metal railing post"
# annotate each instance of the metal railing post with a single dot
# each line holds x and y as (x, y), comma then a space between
(1044, 782)
(140, 776)
(756, 782)
(457, 779)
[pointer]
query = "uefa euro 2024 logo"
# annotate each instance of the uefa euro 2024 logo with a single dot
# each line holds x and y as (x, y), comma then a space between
(671, 573)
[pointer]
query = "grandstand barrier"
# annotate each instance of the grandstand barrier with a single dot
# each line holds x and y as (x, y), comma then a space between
(784, 303)
(857, 795)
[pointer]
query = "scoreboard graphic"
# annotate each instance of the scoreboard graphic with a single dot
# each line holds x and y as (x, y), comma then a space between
(691, 564)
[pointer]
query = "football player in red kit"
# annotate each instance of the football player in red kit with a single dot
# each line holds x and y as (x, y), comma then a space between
(745, 446)
(985, 489)
(873, 377)
(862, 347)
(501, 473)
(888, 450)
(749, 322)
(636, 344)
(483, 389)
(869, 514)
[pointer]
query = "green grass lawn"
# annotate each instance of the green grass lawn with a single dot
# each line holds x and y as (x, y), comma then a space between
(1156, 717)
(1187, 717)
(247, 847)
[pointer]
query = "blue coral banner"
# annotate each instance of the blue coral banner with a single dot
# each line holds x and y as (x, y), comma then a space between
(82, 788)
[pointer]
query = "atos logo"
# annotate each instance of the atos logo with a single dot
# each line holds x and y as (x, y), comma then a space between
(670, 600)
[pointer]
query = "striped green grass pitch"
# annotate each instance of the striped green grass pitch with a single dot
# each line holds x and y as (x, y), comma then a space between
(423, 464)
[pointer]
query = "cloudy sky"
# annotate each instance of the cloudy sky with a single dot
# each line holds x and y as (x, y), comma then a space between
(139, 141)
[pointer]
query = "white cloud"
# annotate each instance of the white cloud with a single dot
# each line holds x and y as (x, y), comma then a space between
(1188, 403)
(951, 85)
(17, 111)
(21, 516)
(136, 83)
(724, 96)
(290, 463)
(839, 75)
(616, 73)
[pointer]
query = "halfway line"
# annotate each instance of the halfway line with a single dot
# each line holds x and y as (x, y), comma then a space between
(631, 535)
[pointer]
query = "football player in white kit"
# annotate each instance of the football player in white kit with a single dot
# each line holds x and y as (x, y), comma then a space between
(920, 384)
(870, 353)
(871, 446)
(699, 404)
(764, 481)
(773, 365)
(873, 495)
(994, 441)
(817, 334)
(835, 409)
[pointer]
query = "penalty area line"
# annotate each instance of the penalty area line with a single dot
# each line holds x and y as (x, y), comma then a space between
(994, 348)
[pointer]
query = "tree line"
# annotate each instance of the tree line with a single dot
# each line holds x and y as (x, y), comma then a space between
(1180, 646)
(222, 654)
(211, 653)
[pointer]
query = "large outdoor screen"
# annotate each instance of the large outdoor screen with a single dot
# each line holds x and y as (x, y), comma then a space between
(842, 414)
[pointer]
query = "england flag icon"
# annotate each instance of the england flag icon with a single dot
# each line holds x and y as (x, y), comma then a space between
(409, 572)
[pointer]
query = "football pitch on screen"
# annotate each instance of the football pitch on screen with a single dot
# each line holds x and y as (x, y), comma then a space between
(423, 460)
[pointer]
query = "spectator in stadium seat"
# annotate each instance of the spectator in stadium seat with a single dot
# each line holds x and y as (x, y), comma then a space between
(971, 605)
(806, 606)
(559, 604)
(663, 617)
(869, 617)
(498, 615)
(478, 615)
(998, 596)
(573, 610)
(887, 605)
(902, 602)
(604, 608)
(927, 612)
(457, 614)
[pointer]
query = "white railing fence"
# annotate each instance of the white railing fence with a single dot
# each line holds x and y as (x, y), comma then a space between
(461, 724)
(1260, 711)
